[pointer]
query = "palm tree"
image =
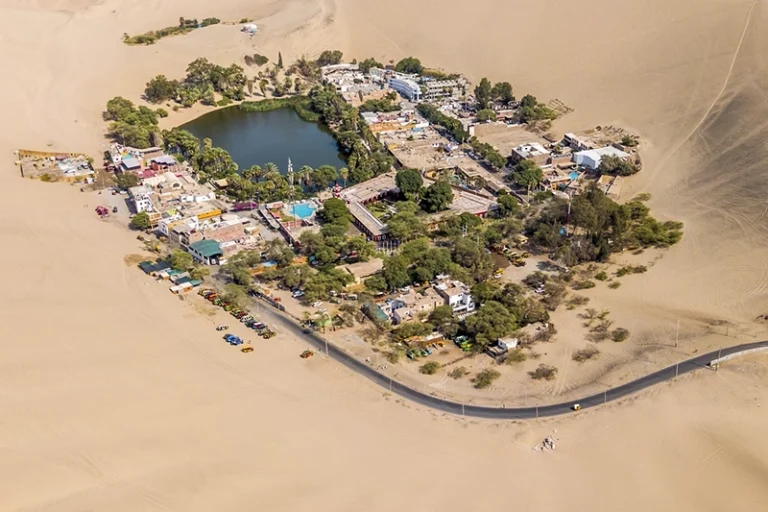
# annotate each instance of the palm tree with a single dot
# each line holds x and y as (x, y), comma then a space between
(305, 172)
(263, 87)
(270, 168)
(254, 172)
(344, 173)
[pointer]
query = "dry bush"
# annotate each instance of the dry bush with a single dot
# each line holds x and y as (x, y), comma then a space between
(544, 371)
(585, 354)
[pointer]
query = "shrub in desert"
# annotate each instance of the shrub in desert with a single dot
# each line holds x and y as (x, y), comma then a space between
(619, 334)
(585, 354)
(601, 276)
(544, 371)
(430, 368)
(516, 356)
(485, 378)
(576, 301)
(458, 372)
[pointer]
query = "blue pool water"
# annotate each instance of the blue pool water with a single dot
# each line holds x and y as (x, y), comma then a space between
(573, 175)
(302, 210)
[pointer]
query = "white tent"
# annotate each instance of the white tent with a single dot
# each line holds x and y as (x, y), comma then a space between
(250, 28)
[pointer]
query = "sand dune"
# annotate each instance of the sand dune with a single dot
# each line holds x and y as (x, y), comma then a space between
(115, 396)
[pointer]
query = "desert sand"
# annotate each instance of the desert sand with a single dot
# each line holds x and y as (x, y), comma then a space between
(117, 395)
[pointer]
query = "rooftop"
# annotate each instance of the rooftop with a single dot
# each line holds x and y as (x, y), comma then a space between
(207, 248)
(531, 149)
(364, 269)
(370, 189)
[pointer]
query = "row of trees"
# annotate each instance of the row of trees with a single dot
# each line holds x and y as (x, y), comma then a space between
(185, 25)
(451, 124)
(488, 152)
(485, 93)
(366, 157)
(203, 80)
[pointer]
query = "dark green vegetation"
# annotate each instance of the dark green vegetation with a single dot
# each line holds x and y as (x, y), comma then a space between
(366, 156)
(130, 125)
(597, 227)
(140, 221)
(488, 152)
(185, 26)
(452, 126)
(203, 81)
(616, 166)
(485, 93)
(385, 104)
(531, 110)
(409, 65)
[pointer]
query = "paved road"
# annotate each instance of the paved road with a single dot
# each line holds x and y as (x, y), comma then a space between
(699, 362)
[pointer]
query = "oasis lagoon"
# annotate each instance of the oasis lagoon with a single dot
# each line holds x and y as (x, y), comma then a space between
(255, 138)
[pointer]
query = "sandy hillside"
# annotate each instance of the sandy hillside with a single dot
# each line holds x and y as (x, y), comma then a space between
(118, 396)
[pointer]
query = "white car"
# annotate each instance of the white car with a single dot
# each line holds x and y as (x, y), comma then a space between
(317, 304)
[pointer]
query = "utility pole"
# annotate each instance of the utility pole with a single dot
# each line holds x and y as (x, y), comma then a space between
(677, 369)
(719, 354)
(677, 332)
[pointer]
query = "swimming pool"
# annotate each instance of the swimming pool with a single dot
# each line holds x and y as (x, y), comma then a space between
(574, 175)
(303, 210)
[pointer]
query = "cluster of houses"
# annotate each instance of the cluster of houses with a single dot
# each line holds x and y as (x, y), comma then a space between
(415, 306)
(356, 86)
(181, 209)
(569, 165)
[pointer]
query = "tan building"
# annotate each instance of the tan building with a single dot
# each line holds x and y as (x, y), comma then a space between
(407, 307)
(533, 151)
(364, 269)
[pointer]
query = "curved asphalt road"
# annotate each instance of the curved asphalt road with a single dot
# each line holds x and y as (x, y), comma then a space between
(479, 411)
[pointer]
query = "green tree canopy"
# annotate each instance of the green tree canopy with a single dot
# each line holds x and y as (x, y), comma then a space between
(182, 142)
(126, 180)
(508, 205)
(486, 114)
(329, 57)
(527, 174)
(335, 211)
(409, 181)
(161, 89)
(409, 65)
(502, 91)
(617, 166)
(405, 226)
(437, 197)
(182, 260)
(366, 65)
(140, 221)
(214, 162)
(483, 93)
(492, 321)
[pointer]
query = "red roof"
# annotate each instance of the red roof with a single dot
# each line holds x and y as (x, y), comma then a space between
(146, 173)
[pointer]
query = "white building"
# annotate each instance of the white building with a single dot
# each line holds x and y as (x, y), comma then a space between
(142, 198)
(438, 89)
(407, 88)
(456, 294)
(591, 157)
(532, 151)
